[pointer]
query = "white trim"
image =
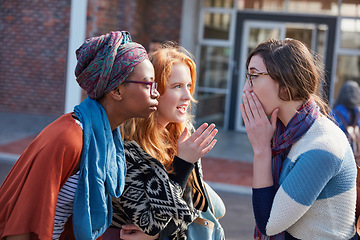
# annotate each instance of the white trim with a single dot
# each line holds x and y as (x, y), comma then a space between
(200, 28)
(216, 42)
(348, 51)
(76, 38)
(232, 188)
(225, 43)
(188, 29)
(232, 67)
(282, 13)
(314, 33)
(8, 158)
(333, 78)
(339, 7)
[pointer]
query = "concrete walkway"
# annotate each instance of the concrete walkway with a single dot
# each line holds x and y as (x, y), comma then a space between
(228, 166)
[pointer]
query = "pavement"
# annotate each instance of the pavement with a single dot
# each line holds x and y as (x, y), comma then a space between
(227, 167)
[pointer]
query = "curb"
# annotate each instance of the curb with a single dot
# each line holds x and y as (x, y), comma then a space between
(217, 186)
(224, 187)
(8, 157)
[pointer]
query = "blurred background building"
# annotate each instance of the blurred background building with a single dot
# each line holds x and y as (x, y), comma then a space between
(38, 40)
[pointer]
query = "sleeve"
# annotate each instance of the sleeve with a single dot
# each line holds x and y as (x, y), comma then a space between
(150, 199)
(300, 189)
(182, 171)
(262, 199)
(31, 188)
(168, 230)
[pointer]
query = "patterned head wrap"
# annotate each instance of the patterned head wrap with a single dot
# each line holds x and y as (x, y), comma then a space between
(104, 62)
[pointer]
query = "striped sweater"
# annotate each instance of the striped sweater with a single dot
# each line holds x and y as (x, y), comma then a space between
(317, 194)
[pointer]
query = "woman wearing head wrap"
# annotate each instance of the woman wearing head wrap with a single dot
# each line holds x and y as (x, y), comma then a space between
(76, 164)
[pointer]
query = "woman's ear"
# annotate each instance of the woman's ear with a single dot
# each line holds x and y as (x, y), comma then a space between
(116, 93)
(284, 93)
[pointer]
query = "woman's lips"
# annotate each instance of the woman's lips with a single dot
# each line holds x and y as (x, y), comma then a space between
(154, 107)
(182, 109)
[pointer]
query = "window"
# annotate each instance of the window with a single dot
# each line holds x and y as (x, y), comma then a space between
(350, 33)
(265, 5)
(328, 7)
(219, 3)
(216, 25)
(214, 67)
(350, 8)
(348, 68)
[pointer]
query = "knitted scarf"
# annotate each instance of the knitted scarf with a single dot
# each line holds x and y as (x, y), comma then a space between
(283, 139)
(102, 171)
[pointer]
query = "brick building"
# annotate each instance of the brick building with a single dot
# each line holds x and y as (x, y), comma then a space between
(34, 41)
(38, 40)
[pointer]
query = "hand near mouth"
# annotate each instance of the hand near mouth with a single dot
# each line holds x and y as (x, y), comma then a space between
(193, 148)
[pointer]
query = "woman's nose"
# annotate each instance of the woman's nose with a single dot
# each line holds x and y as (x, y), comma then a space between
(247, 86)
(187, 94)
(155, 94)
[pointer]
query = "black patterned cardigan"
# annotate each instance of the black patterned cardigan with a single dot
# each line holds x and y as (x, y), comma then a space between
(155, 201)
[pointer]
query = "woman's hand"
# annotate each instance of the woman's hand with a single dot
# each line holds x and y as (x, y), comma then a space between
(198, 144)
(260, 131)
(258, 127)
(132, 232)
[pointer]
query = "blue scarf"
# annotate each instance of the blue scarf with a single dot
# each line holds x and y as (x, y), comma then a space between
(283, 139)
(102, 171)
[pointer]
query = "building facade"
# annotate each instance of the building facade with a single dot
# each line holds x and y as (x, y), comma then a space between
(227, 30)
(38, 38)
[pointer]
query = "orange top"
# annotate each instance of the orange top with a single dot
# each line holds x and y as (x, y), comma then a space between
(28, 196)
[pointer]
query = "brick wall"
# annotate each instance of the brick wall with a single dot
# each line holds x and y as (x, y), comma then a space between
(101, 17)
(33, 48)
(34, 41)
(147, 20)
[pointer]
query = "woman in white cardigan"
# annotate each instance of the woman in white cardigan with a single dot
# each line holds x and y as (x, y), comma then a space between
(304, 169)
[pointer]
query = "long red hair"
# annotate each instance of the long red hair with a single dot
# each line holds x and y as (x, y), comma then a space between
(159, 142)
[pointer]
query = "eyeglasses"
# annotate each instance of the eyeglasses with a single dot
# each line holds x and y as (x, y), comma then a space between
(252, 76)
(153, 85)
